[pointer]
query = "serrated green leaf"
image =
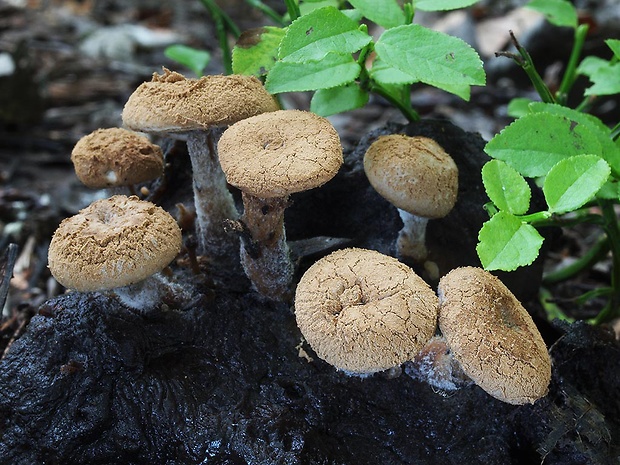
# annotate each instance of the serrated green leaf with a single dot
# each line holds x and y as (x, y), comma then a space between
(327, 102)
(506, 243)
(193, 58)
(442, 5)
(506, 188)
(610, 152)
(573, 181)
(535, 142)
(385, 13)
(614, 45)
(610, 190)
(557, 12)
(432, 57)
(311, 37)
(335, 69)
(518, 107)
(604, 75)
(256, 50)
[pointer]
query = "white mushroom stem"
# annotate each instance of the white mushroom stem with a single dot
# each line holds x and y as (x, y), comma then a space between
(411, 240)
(266, 257)
(212, 200)
(151, 293)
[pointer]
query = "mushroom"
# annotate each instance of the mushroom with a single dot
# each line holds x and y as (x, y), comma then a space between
(363, 312)
(492, 337)
(116, 157)
(119, 243)
(419, 178)
(195, 109)
(268, 157)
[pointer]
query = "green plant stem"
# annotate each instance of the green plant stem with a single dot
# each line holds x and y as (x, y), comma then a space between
(267, 11)
(223, 25)
(524, 60)
(550, 220)
(615, 131)
(409, 12)
(404, 107)
(552, 310)
(570, 74)
(592, 256)
(293, 9)
(611, 310)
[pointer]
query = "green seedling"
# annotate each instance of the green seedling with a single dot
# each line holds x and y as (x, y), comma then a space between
(572, 155)
(327, 50)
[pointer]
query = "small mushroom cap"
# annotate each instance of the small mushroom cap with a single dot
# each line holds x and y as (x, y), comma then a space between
(492, 336)
(280, 153)
(414, 174)
(112, 243)
(172, 103)
(363, 312)
(116, 157)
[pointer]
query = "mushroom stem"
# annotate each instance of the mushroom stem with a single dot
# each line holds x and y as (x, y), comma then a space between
(266, 257)
(151, 292)
(411, 240)
(212, 200)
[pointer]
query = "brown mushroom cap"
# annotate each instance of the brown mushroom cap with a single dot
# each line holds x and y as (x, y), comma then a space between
(279, 153)
(172, 103)
(492, 336)
(113, 243)
(414, 174)
(363, 312)
(116, 157)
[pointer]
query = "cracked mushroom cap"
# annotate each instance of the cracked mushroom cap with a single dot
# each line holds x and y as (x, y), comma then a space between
(414, 174)
(113, 243)
(116, 157)
(492, 336)
(279, 153)
(173, 103)
(363, 312)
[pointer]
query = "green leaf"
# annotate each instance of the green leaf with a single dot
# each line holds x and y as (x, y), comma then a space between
(335, 69)
(193, 58)
(610, 152)
(309, 6)
(614, 45)
(327, 102)
(432, 57)
(557, 12)
(506, 188)
(256, 50)
(535, 142)
(388, 75)
(442, 5)
(573, 181)
(385, 13)
(604, 75)
(320, 32)
(506, 243)
(518, 107)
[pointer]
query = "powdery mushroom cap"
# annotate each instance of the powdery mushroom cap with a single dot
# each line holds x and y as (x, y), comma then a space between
(414, 174)
(492, 336)
(116, 157)
(112, 243)
(363, 312)
(172, 103)
(280, 153)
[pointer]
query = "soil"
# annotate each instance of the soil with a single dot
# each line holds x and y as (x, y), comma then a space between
(224, 376)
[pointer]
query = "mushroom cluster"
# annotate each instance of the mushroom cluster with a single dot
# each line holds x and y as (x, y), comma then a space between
(364, 312)
(196, 110)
